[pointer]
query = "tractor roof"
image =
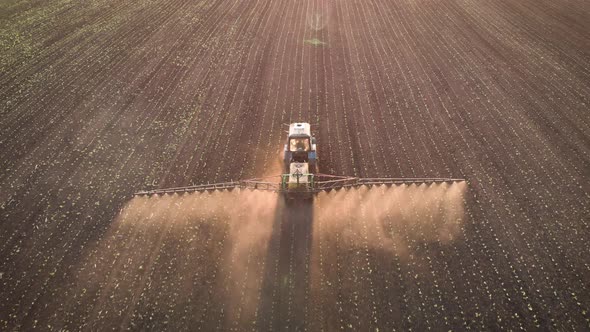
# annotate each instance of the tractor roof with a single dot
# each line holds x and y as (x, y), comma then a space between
(299, 129)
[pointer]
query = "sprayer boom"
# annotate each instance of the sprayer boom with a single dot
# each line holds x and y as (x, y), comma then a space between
(318, 183)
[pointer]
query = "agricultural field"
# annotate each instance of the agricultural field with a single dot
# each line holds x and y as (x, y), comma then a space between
(100, 99)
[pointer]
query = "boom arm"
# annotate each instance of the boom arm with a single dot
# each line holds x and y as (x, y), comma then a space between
(322, 182)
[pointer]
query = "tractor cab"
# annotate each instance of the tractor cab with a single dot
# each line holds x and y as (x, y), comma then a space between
(300, 147)
(299, 144)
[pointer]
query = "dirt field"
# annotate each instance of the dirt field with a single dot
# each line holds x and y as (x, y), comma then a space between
(102, 98)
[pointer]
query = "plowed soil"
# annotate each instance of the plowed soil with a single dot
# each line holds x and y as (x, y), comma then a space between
(100, 99)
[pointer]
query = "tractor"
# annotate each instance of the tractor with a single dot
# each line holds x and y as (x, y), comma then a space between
(301, 178)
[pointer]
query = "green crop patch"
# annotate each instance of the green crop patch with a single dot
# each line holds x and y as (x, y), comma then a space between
(314, 42)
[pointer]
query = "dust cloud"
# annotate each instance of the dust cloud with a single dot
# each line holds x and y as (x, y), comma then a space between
(210, 255)
(166, 249)
(392, 218)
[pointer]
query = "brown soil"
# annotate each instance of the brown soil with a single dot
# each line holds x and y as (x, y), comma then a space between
(99, 99)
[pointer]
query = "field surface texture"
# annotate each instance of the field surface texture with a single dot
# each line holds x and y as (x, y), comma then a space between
(102, 98)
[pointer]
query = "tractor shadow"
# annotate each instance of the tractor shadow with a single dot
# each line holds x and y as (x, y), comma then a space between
(285, 289)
